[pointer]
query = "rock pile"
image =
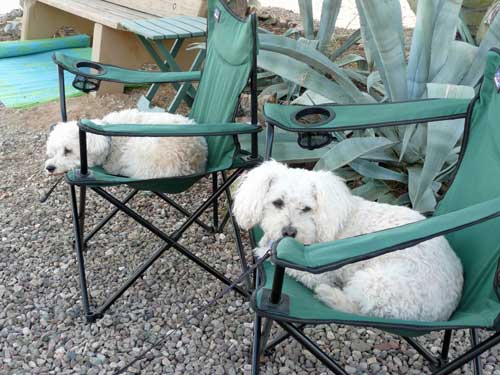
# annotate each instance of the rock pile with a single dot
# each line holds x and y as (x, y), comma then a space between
(10, 25)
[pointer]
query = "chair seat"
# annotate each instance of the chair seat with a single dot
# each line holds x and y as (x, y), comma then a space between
(301, 306)
(99, 178)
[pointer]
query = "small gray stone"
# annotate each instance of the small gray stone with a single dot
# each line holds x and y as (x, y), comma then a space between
(360, 346)
(350, 370)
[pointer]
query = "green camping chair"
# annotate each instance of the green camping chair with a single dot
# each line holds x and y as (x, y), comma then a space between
(230, 61)
(469, 216)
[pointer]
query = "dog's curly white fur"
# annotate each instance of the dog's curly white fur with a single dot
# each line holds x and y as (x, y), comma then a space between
(135, 157)
(423, 282)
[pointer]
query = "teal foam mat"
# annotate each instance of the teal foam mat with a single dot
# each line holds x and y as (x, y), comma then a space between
(27, 74)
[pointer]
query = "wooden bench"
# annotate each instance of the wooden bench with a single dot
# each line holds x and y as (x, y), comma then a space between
(102, 19)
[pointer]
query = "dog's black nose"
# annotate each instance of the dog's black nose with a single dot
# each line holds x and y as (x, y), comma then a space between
(289, 231)
(51, 168)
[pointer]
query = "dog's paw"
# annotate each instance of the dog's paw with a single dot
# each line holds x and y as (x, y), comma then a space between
(335, 298)
(259, 252)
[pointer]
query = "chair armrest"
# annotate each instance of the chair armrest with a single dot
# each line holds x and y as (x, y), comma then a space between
(329, 256)
(113, 73)
(167, 130)
(360, 116)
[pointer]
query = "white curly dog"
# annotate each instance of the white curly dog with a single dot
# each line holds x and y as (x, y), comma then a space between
(422, 283)
(135, 157)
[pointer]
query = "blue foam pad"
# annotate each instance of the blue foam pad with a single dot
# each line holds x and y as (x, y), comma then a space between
(32, 78)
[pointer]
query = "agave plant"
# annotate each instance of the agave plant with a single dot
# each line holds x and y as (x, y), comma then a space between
(403, 165)
(438, 66)
(296, 68)
(472, 16)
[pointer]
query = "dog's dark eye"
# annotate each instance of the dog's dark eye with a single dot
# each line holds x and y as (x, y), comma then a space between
(67, 151)
(278, 203)
(306, 209)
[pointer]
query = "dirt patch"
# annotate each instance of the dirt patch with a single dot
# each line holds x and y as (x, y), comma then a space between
(87, 106)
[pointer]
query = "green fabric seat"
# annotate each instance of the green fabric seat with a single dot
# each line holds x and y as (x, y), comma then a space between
(468, 215)
(305, 308)
(173, 185)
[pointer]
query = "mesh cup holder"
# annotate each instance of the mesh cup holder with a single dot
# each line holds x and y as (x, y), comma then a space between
(313, 117)
(84, 82)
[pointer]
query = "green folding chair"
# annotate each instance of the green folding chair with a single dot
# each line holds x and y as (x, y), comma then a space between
(230, 62)
(468, 215)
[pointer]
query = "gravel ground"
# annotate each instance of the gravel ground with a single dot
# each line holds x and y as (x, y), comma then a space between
(41, 327)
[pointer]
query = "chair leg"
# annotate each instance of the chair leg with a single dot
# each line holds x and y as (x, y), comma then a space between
(256, 345)
(81, 213)
(433, 361)
(215, 204)
(108, 217)
(446, 345)
(79, 256)
(278, 340)
(469, 355)
(476, 363)
(237, 234)
(183, 211)
(266, 332)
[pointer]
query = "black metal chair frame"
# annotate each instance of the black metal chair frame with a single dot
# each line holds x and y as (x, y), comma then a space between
(171, 240)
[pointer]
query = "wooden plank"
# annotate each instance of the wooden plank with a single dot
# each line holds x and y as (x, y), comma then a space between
(178, 22)
(194, 24)
(160, 32)
(86, 10)
(124, 11)
(163, 28)
(201, 20)
(117, 47)
(116, 10)
(165, 8)
(136, 28)
(99, 11)
(35, 25)
(174, 31)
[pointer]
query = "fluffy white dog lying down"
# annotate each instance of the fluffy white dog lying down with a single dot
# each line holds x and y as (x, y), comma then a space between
(136, 157)
(423, 282)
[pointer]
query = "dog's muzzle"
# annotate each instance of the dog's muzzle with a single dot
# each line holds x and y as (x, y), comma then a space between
(289, 231)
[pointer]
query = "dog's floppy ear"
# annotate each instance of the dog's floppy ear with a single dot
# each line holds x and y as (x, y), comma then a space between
(334, 204)
(249, 198)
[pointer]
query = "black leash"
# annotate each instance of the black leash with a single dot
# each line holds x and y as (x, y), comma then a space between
(204, 308)
(49, 192)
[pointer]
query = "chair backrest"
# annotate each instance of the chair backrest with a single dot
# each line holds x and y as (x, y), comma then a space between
(478, 180)
(231, 51)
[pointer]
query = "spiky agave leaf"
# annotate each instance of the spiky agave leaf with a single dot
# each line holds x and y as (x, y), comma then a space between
(306, 16)
(442, 137)
(295, 51)
(329, 12)
(350, 149)
(383, 34)
(491, 39)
